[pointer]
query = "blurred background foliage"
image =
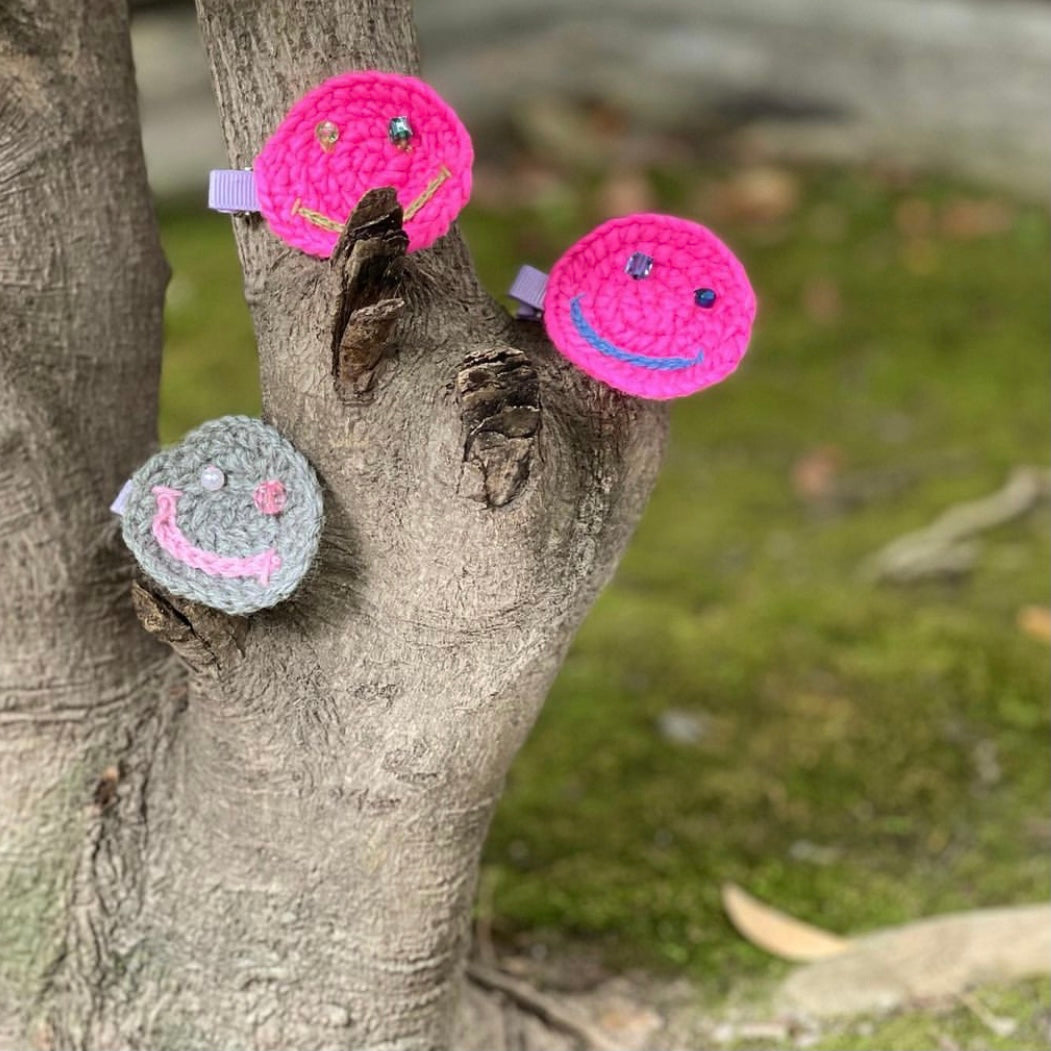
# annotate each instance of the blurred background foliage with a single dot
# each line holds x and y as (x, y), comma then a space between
(742, 704)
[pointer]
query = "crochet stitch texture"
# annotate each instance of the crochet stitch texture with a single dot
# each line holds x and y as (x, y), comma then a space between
(336, 143)
(654, 336)
(242, 546)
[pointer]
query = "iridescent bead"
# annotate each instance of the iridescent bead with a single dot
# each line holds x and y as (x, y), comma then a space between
(399, 131)
(639, 265)
(212, 478)
(704, 297)
(327, 134)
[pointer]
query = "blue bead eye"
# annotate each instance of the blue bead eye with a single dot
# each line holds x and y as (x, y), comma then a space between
(704, 297)
(639, 265)
(399, 131)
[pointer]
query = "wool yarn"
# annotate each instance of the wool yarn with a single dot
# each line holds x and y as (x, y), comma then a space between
(229, 517)
(652, 305)
(356, 132)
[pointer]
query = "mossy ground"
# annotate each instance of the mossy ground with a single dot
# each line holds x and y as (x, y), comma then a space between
(993, 1018)
(868, 754)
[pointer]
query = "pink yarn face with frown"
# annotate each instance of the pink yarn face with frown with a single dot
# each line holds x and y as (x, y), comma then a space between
(653, 305)
(354, 133)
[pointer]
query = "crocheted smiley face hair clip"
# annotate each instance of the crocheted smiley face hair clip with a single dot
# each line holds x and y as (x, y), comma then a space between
(354, 133)
(652, 305)
(229, 517)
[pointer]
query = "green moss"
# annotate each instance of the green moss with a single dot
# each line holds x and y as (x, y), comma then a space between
(994, 1018)
(897, 731)
(870, 754)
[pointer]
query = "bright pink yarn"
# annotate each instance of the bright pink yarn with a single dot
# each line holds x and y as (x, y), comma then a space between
(304, 176)
(648, 336)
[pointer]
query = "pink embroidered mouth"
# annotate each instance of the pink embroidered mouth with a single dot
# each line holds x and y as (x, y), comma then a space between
(171, 538)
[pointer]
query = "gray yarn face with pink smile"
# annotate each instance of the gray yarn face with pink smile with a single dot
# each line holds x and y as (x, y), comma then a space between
(230, 517)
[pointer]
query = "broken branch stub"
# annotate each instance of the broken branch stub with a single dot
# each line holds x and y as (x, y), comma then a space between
(367, 263)
(205, 638)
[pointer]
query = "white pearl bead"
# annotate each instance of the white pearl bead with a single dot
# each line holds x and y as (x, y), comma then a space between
(212, 478)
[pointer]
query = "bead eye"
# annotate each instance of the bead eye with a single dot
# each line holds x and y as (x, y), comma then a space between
(705, 297)
(327, 134)
(399, 131)
(212, 478)
(639, 265)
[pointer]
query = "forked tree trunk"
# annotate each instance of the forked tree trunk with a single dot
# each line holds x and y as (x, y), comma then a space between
(81, 290)
(285, 853)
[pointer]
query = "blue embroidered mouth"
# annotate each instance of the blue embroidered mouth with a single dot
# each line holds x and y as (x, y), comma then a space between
(611, 350)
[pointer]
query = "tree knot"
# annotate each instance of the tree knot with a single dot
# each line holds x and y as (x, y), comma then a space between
(499, 395)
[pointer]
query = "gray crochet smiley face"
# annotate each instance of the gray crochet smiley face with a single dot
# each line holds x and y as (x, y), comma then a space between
(230, 517)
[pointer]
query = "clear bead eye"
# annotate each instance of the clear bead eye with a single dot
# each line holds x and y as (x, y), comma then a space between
(399, 131)
(212, 478)
(327, 134)
(639, 265)
(705, 297)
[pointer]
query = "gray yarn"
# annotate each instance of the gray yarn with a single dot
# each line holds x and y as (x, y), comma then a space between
(226, 522)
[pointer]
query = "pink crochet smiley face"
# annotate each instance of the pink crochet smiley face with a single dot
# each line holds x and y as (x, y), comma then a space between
(354, 133)
(652, 305)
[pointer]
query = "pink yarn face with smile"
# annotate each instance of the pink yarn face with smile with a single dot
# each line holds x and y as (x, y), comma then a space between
(337, 142)
(680, 324)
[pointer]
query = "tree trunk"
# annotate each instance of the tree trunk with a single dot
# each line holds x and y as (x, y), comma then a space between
(285, 854)
(81, 290)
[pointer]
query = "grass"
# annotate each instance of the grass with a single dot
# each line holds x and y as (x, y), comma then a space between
(867, 754)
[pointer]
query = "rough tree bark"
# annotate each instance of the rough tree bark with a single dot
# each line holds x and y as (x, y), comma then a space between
(81, 289)
(270, 839)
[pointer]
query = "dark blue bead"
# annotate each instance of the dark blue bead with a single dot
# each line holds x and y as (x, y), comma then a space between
(704, 297)
(639, 265)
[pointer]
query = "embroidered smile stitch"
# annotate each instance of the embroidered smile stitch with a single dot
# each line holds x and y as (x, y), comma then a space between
(603, 346)
(167, 533)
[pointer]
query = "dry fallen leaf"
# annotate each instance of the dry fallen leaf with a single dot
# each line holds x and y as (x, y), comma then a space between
(933, 959)
(814, 474)
(776, 932)
(964, 219)
(1035, 621)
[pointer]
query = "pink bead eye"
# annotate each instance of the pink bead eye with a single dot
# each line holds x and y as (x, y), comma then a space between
(269, 497)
